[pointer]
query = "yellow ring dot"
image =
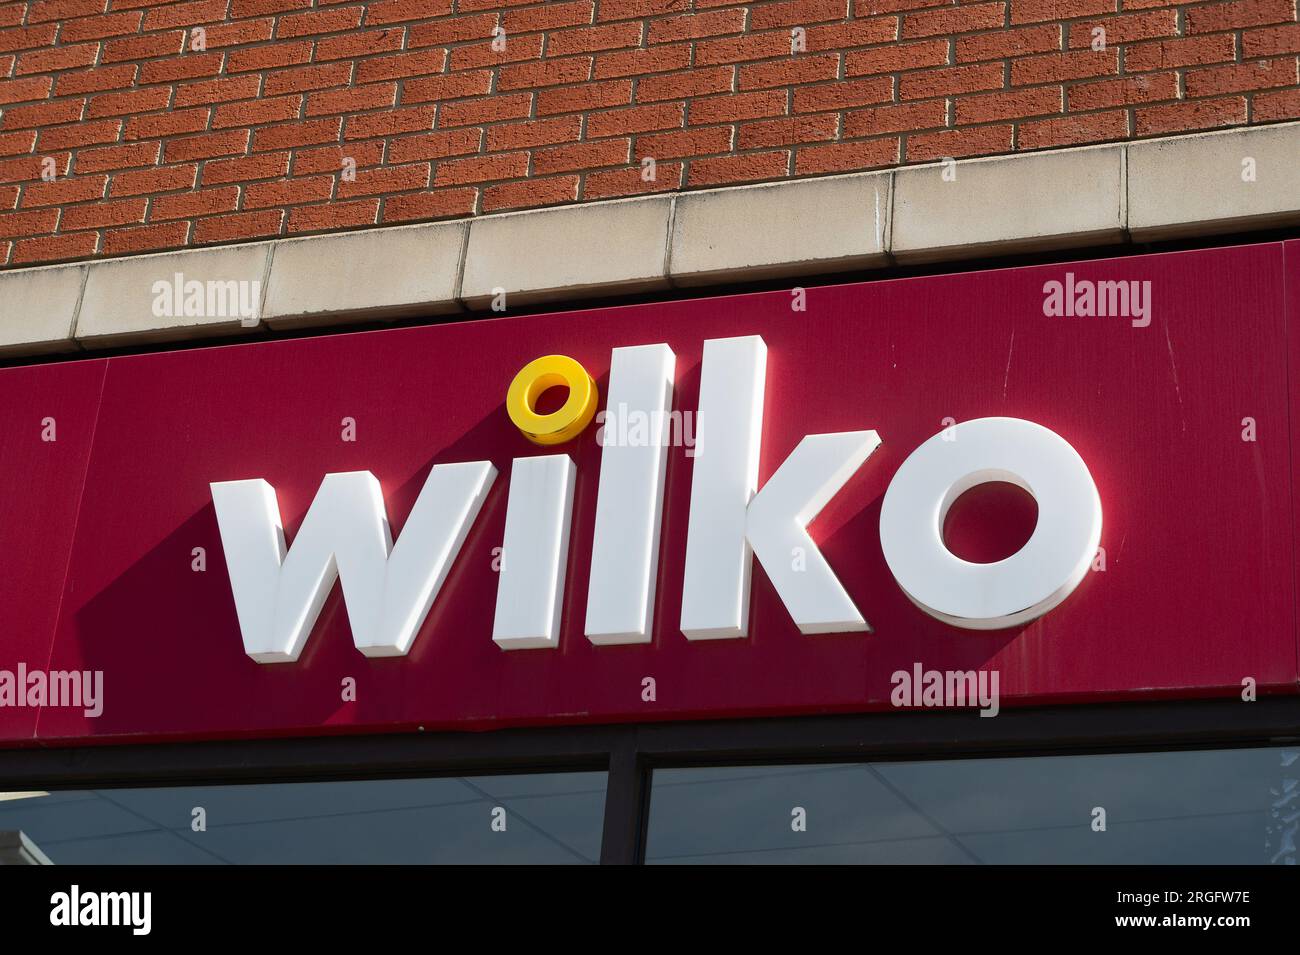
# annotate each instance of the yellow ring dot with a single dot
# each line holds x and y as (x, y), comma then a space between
(535, 378)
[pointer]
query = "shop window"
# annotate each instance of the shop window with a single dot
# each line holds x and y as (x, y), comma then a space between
(1237, 806)
(537, 818)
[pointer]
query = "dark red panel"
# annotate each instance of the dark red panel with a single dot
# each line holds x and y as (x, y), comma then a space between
(1196, 594)
(41, 482)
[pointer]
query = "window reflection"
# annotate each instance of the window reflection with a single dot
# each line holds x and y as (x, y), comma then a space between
(553, 818)
(1238, 806)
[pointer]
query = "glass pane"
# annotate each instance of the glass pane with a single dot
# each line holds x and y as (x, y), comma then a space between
(536, 818)
(1239, 806)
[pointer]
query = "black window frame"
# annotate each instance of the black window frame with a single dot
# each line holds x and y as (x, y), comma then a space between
(631, 752)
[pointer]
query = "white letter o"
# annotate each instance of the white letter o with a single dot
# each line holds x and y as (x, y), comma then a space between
(1031, 581)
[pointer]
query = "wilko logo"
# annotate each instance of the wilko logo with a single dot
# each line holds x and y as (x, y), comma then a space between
(1108, 299)
(191, 298)
(389, 587)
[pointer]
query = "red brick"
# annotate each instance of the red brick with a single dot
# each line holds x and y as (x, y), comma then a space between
(765, 16)
(102, 215)
(268, 57)
(1016, 104)
(1145, 88)
(452, 30)
(449, 86)
(900, 118)
(892, 59)
(397, 11)
(729, 109)
(1188, 116)
(1073, 130)
(288, 192)
(845, 157)
(534, 192)
(63, 191)
(1038, 11)
(718, 79)
(696, 25)
(158, 125)
(164, 179)
(1125, 29)
(751, 46)
(585, 97)
(144, 47)
(574, 69)
(305, 78)
(369, 125)
(839, 36)
(1187, 52)
(606, 152)
(135, 101)
(628, 9)
(61, 58)
(109, 158)
(1271, 107)
(42, 114)
(230, 142)
(870, 8)
(1214, 17)
(437, 204)
(489, 109)
(14, 225)
(351, 45)
(731, 169)
(243, 225)
(421, 63)
(843, 94)
(977, 141)
(615, 183)
(27, 168)
(390, 179)
(319, 21)
(658, 59)
(28, 38)
(330, 159)
(23, 141)
(202, 202)
(80, 134)
(1270, 41)
(457, 172)
(310, 133)
(246, 168)
(636, 119)
(217, 91)
(186, 14)
(1241, 77)
(548, 16)
(252, 8)
(97, 80)
(59, 248)
(564, 129)
(1006, 43)
(354, 99)
(1054, 67)
(455, 142)
(257, 112)
(963, 19)
(150, 238)
(334, 215)
(44, 11)
(787, 131)
(234, 34)
(684, 143)
(517, 49)
(789, 72)
(953, 80)
(188, 67)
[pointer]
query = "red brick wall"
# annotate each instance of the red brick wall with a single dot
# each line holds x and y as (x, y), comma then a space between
(156, 145)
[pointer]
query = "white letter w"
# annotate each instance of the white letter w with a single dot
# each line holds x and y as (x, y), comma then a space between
(387, 589)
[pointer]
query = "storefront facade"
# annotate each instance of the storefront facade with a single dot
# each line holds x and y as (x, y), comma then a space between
(938, 510)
